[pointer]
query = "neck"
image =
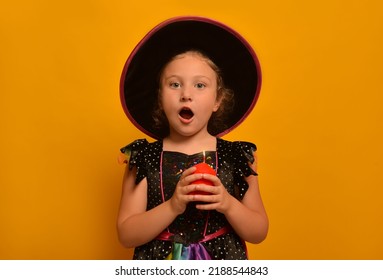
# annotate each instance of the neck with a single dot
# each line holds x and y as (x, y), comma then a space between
(190, 144)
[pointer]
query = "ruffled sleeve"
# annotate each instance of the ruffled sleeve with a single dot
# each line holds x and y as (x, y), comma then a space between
(244, 156)
(133, 155)
(246, 152)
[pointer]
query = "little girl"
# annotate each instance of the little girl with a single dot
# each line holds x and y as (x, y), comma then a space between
(168, 210)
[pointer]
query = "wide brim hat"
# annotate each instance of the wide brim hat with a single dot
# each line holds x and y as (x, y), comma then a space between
(223, 45)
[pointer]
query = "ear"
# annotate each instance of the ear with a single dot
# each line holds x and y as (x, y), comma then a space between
(217, 103)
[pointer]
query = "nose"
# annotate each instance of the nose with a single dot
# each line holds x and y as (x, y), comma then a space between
(185, 99)
(185, 95)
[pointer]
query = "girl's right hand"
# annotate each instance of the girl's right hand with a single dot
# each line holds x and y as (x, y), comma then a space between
(181, 196)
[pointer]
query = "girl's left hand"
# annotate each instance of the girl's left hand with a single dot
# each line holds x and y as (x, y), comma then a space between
(217, 199)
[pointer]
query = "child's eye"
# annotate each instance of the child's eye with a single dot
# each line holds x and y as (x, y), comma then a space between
(200, 85)
(175, 85)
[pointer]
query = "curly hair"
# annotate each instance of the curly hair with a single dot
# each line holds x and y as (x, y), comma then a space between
(217, 121)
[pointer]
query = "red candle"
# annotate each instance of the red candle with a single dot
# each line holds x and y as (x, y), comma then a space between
(205, 169)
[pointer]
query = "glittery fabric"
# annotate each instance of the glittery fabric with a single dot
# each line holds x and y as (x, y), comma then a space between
(189, 228)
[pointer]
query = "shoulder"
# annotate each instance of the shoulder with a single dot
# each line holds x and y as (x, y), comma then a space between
(137, 149)
(141, 144)
(240, 153)
(139, 154)
(231, 146)
(135, 145)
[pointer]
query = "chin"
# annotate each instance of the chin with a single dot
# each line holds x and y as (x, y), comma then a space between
(185, 132)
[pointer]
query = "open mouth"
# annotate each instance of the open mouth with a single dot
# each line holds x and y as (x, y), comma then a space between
(186, 113)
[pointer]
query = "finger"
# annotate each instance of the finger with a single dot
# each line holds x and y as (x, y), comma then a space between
(206, 197)
(189, 190)
(185, 174)
(188, 180)
(207, 206)
(207, 188)
(189, 171)
(213, 178)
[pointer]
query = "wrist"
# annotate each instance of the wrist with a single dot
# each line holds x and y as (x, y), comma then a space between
(173, 207)
(230, 205)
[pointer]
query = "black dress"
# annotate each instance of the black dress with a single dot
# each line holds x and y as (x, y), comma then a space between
(210, 229)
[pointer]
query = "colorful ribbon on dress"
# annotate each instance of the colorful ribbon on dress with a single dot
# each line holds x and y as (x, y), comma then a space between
(193, 251)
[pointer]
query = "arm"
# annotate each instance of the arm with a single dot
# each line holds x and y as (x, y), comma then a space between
(135, 225)
(247, 217)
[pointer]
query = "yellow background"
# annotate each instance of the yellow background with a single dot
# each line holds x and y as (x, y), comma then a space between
(317, 124)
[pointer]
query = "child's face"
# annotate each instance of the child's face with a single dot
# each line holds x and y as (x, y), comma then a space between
(189, 94)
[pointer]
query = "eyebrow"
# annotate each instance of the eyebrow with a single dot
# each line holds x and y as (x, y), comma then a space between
(180, 77)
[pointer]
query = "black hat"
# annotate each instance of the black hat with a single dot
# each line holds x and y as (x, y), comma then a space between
(224, 46)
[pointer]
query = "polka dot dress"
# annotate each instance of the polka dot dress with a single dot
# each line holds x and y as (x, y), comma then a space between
(163, 169)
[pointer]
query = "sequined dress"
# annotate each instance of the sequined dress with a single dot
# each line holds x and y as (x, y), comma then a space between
(210, 229)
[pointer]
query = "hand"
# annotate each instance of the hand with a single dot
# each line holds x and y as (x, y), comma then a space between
(217, 199)
(181, 196)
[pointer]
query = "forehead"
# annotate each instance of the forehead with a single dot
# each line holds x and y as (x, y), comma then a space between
(189, 63)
